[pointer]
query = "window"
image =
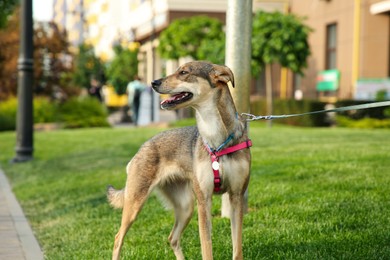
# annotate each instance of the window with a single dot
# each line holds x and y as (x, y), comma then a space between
(331, 46)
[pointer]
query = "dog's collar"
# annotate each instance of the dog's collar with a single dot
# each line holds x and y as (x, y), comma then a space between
(216, 153)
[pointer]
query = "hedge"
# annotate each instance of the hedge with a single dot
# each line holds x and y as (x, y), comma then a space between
(74, 113)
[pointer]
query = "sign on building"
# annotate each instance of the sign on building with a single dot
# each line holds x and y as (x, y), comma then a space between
(328, 80)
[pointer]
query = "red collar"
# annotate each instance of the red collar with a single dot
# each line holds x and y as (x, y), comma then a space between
(215, 157)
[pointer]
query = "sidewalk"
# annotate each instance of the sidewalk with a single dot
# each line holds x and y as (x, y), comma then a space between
(17, 241)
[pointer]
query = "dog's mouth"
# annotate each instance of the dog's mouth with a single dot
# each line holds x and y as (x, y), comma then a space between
(176, 99)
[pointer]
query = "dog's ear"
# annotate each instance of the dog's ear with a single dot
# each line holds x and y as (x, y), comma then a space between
(223, 75)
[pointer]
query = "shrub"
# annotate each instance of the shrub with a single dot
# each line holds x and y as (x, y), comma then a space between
(45, 111)
(74, 113)
(86, 112)
(344, 121)
(8, 114)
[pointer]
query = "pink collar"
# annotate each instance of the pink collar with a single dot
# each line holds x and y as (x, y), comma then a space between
(215, 157)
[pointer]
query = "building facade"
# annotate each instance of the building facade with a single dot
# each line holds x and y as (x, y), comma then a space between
(69, 16)
(349, 36)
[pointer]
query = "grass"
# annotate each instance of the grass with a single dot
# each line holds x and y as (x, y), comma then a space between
(314, 194)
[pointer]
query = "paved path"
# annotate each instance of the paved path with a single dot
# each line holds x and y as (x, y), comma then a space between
(17, 241)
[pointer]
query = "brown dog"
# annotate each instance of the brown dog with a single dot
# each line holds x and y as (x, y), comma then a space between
(210, 158)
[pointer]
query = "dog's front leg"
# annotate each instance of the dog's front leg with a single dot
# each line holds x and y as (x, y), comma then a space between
(204, 201)
(205, 226)
(236, 220)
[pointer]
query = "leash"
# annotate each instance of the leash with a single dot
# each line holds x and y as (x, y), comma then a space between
(250, 117)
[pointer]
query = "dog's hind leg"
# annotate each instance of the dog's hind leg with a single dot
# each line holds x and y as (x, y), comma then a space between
(180, 196)
(134, 198)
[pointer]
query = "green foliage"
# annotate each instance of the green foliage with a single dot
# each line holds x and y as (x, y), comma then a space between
(386, 112)
(190, 37)
(80, 113)
(344, 121)
(381, 95)
(6, 9)
(290, 106)
(74, 113)
(123, 68)
(313, 194)
(212, 50)
(279, 38)
(378, 117)
(8, 114)
(44, 112)
(87, 65)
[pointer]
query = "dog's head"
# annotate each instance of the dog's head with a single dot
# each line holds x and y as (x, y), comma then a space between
(192, 83)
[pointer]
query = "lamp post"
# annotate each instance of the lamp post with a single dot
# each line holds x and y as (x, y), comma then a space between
(24, 121)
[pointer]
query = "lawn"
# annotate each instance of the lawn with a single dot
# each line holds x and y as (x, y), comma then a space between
(314, 194)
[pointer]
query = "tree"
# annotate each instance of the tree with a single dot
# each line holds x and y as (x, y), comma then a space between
(123, 68)
(9, 51)
(278, 38)
(194, 36)
(212, 50)
(51, 57)
(53, 61)
(6, 9)
(87, 65)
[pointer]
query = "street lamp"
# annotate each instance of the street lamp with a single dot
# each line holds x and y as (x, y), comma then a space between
(24, 121)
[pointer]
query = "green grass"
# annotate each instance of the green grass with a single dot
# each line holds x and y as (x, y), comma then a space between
(314, 194)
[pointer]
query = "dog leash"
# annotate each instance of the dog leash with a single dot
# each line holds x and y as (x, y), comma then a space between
(250, 117)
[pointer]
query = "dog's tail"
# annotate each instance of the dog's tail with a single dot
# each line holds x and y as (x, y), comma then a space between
(115, 197)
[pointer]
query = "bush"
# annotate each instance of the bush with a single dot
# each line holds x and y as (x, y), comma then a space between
(8, 114)
(45, 111)
(290, 106)
(74, 113)
(377, 117)
(80, 113)
(344, 121)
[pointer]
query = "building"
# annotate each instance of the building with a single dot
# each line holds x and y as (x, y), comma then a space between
(352, 37)
(69, 16)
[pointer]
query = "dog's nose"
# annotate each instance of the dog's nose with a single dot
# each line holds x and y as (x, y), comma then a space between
(156, 83)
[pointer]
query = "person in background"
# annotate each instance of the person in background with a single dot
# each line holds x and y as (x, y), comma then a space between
(95, 89)
(134, 90)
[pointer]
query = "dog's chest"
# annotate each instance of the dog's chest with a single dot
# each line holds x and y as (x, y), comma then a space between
(231, 168)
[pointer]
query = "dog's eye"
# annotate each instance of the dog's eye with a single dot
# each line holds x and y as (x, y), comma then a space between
(183, 72)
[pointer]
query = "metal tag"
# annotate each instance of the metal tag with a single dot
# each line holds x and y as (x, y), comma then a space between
(215, 165)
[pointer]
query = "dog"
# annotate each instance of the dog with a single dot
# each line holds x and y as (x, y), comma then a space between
(212, 157)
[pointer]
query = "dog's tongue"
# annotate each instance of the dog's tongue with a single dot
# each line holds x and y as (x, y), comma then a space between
(174, 98)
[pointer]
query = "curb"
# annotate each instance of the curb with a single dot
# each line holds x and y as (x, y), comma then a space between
(26, 239)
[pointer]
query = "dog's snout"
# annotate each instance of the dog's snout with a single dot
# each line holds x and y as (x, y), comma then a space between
(156, 83)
